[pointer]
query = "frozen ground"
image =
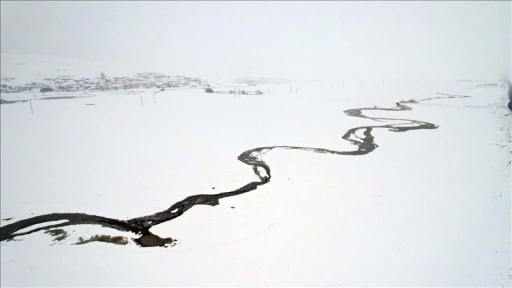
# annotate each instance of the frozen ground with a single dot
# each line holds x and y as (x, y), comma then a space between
(427, 207)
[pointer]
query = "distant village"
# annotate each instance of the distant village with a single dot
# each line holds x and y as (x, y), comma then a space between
(104, 83)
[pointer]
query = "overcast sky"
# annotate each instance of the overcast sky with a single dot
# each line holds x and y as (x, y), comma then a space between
(276, 39)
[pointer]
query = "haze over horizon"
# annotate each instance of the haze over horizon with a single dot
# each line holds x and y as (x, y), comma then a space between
(453, 40)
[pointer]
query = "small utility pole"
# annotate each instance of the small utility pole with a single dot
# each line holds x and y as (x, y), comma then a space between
(31, 109)
(141, 103)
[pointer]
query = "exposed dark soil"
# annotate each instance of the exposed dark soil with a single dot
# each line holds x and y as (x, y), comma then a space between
(151, 240)
(58, 234)
(119, 240)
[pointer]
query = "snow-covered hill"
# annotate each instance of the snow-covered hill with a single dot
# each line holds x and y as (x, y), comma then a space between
(26, 68)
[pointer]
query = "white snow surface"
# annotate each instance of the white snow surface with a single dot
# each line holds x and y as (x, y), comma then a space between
(426, 208)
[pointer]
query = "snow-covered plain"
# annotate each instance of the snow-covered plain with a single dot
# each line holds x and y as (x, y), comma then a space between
(426, 208)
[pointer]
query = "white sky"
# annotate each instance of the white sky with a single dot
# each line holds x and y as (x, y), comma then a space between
(275, 39)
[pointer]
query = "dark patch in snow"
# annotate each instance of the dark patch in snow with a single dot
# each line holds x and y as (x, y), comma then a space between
(151, 240)
(119, 240)
(58, 234)
(509, 84)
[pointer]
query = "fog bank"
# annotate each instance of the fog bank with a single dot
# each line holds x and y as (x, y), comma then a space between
(456, 40)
